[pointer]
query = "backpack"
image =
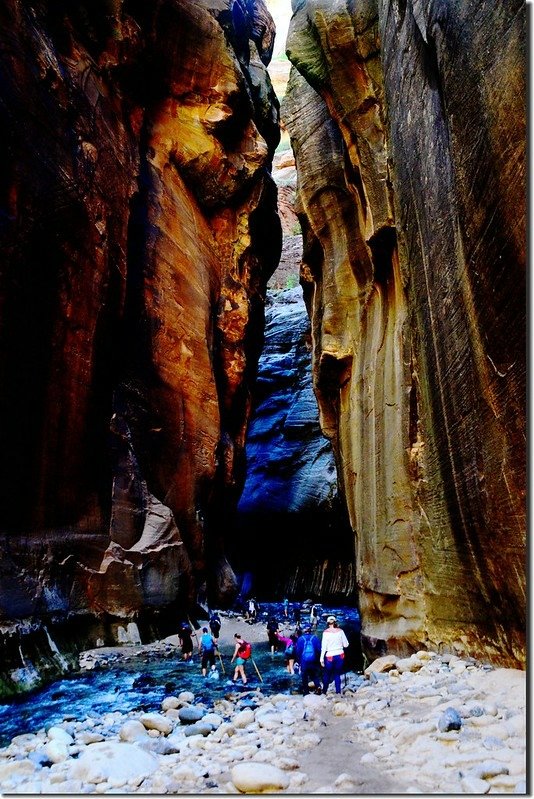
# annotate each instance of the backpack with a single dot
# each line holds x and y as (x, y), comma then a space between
(245, 650)
(308, 653)
(207, 642)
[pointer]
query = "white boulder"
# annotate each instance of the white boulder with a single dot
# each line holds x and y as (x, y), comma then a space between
(258, 778)
(116, 763)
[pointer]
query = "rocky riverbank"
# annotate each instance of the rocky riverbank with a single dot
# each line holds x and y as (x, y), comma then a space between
(426, 724)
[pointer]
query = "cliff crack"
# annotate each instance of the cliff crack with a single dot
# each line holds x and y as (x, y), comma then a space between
(495, 369)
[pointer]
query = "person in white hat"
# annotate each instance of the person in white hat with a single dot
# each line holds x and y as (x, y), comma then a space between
(333, 644)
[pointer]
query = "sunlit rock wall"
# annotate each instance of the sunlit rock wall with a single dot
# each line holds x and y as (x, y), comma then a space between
(408, 125)
(138, 229)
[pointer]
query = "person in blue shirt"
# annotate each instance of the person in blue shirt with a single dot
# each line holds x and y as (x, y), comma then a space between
(308, 654)
(207, 646)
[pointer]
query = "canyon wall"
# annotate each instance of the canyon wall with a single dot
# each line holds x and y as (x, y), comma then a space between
(407, 120)
(290, 507)
(138, 229)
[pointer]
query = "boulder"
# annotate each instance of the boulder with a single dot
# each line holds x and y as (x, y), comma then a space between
(259, 778)
(114, 762)
(155, 721)
(190, 714)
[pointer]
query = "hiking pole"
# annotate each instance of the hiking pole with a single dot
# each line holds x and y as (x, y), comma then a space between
(257, 670)
(193, 629)
(220, 658)
(194, 632)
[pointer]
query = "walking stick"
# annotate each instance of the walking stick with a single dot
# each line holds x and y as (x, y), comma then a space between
(220, 658)
(193, 629)
(194, 632)
(257, 670)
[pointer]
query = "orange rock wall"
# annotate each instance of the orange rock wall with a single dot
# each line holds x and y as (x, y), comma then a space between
(139, 229)
(407, 122)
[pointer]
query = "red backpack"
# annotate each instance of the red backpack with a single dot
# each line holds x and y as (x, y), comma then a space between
(245, 650)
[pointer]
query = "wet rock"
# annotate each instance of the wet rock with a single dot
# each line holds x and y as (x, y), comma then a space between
(450, 719)
(190, 714)
(170, 703)
(198, 728)
(144, 681)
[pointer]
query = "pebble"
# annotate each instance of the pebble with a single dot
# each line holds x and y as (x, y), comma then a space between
(431, 731)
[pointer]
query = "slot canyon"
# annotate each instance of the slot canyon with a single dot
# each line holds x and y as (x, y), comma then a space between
(259, 341)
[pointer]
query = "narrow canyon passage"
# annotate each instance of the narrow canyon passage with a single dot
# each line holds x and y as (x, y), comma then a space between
(290, 498)
(180, 416)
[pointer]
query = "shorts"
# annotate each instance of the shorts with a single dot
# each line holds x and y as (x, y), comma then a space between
(240, 661)
(208, 658)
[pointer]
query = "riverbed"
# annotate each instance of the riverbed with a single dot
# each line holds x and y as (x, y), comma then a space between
(138, 678)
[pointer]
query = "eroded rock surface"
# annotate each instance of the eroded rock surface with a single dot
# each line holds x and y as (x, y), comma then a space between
(139, 228)
(408, 126)
(293, 531)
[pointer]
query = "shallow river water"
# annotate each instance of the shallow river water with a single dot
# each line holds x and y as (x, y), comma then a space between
(141, 682)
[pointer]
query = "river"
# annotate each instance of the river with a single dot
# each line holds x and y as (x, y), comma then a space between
(141, 681)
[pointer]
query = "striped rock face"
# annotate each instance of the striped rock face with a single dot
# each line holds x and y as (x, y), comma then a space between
(408, 126)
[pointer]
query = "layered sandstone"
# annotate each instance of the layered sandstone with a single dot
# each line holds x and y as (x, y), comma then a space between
(407, 122)
(138, 232)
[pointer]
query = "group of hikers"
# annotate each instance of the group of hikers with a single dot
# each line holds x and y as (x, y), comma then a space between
(305, 653)
(319, 662)
(208, 648)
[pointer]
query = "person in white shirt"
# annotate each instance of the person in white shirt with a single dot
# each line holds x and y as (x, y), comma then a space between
(333, 644)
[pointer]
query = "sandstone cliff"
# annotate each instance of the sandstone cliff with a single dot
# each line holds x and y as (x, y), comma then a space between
(138, 231)
(407, 120)
(292, 532)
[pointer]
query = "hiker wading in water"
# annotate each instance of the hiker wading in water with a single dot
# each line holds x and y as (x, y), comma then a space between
(186, 642)
(333, 642)
(241, 654)
(207, 647)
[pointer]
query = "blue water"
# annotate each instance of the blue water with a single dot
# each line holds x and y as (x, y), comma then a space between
(142, 682)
